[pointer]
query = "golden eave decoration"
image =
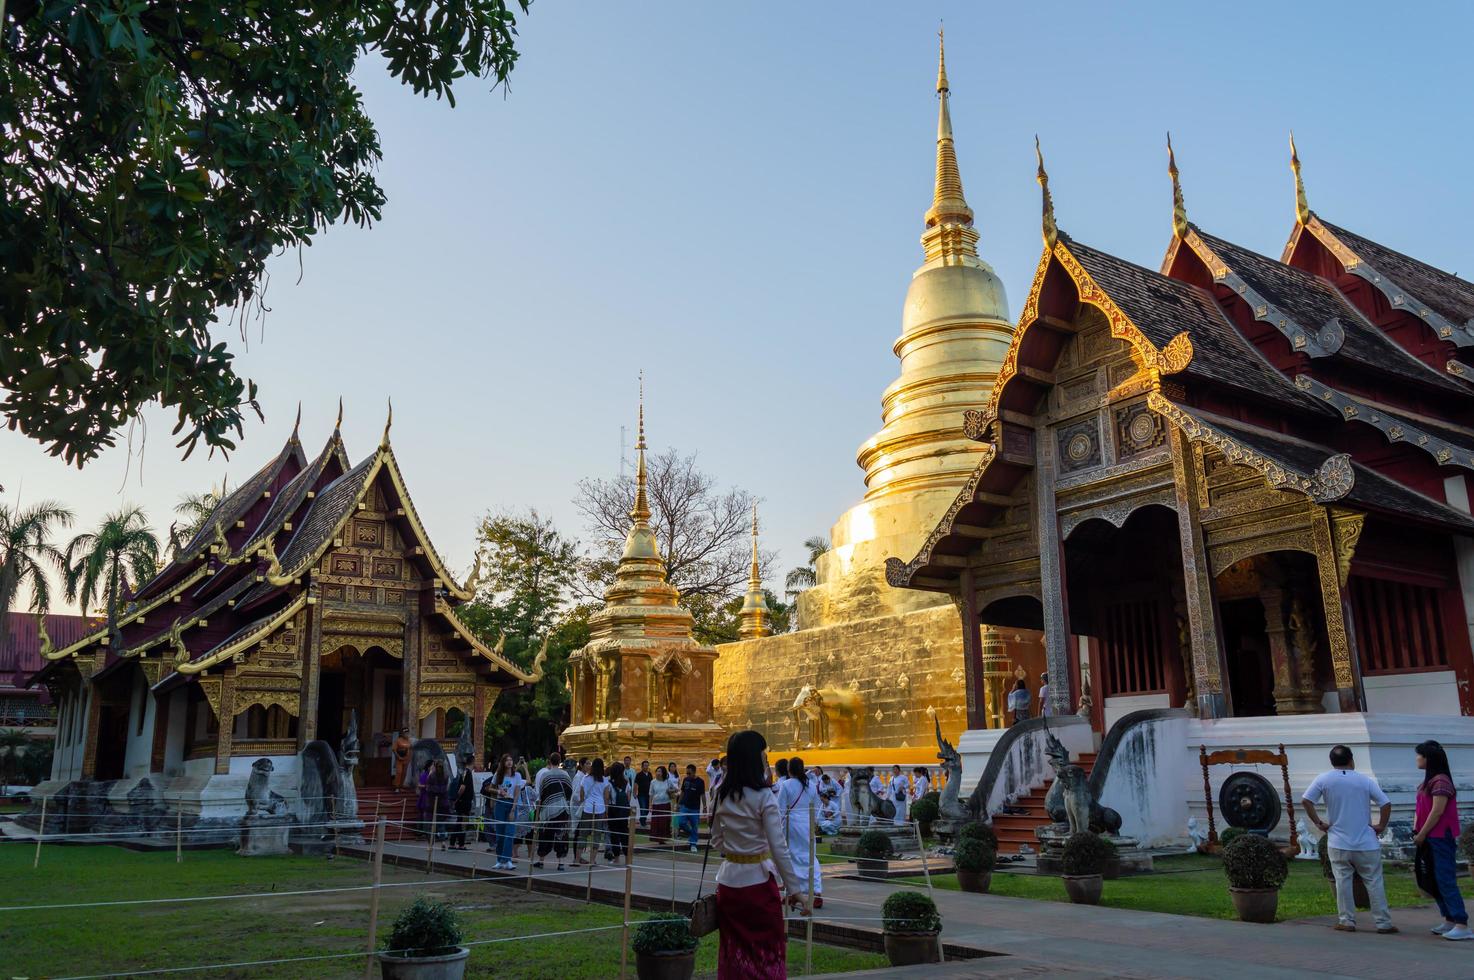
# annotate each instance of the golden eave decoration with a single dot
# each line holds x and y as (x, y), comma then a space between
(244, 641)
(132, 617)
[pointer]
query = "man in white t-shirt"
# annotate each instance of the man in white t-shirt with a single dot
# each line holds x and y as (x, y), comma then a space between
(1044, 711)
(1353, 846)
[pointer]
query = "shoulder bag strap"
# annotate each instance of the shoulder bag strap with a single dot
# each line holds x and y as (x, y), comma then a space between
(706, 855)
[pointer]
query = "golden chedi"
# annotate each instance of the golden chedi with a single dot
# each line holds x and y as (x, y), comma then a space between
(870, 666)
(642, 686)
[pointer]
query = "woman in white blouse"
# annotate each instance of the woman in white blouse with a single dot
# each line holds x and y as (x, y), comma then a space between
(747, 831)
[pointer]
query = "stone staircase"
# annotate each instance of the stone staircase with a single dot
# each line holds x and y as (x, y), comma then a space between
(377, 801)
(1016, 829)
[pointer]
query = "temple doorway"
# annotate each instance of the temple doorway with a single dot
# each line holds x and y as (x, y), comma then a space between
(371, 684)
(1274, 637)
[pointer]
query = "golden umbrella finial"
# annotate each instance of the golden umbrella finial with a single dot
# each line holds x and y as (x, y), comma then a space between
(942, 60)
(1050, 229)
(1179, 208)
(640, 513)
(1302, 207)
(388, 424)
(755, 580)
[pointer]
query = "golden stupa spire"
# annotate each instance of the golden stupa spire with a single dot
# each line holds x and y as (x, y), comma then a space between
(753, 618)
(640, 513)
(1179, 208)
(949, 219)
(1049, 228)
(1302, 207)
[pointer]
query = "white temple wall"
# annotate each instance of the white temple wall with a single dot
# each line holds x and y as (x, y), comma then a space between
(1144, 781)
(174, 732)
(1117, 708)
(1027, 766)
(139, 751)
(1428, 692)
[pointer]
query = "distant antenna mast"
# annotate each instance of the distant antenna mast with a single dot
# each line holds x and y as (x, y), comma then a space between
(622, 450)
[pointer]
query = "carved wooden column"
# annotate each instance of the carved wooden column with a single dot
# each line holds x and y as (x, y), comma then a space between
(225, 716)
(1286, 694)
(93, 714)
(972, 653)
(1335, 533)
(1204, 636)
(311, 652)
(1051, 577)
(485, 694)
(414, 636)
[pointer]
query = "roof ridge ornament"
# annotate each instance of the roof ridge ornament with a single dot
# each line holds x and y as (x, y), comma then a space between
(339, 423)
(1049, 228)
(388, 424)
(1302, 207)
(297, 425)
(1179, 207)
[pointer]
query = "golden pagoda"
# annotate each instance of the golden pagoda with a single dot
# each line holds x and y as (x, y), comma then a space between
(643, 684)
(871, 667)
(753, 618)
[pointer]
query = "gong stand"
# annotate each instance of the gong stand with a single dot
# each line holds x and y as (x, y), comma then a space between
(1246, 757)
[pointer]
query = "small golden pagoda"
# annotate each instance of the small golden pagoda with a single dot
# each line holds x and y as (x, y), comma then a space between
(753, 619)
(642, 686)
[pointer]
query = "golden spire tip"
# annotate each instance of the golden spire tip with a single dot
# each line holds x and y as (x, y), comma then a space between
(1049, 228)
(640, 513)
(941, 60)
(339, 424)
(1302, 206)
(297, 425)
(388, 424)
(1179, 207)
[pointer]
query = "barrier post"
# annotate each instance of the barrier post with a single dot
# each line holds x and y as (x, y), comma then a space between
(373, 927)
(179, 836)
(629, 885)
(36, 862)
(926, 870)
(809, 926)
(430, 844)
(531, 845)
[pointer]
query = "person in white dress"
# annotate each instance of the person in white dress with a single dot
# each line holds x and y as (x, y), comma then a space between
(829, 810)
(796, 801)
(900, 788)
(845, 817)
(923, 782)
(877, 786)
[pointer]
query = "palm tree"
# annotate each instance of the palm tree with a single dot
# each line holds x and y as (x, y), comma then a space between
(25, 547)
(807, 576)
(194, 510)
(97, 563)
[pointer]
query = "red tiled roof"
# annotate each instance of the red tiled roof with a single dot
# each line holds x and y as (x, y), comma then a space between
(20, 642)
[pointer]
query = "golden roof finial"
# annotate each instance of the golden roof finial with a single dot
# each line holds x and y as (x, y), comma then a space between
(753, 618)
(1050, 229)
(1179, 208)
(1302, 207)
(640, 513)
(339, 423)
(388, 424)
(755, 579)
(948, 206)
(297, 425)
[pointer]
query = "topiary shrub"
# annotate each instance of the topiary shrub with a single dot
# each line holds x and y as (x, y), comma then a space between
(1087, 854)
(664, 932)
(1322, 849)
(1466, 841)
(874, 844)
(977, 830)
(910, 912)
(924, 811)
(1230, 835)
(1254, 862)
(974, 855)
(931, 794)
(425, 929)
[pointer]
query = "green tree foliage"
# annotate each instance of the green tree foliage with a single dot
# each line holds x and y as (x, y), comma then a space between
(528, 571)
(720, 624)
(194, 509)
(807, 576)
(26, 550)
(155, 155)
(99, 563)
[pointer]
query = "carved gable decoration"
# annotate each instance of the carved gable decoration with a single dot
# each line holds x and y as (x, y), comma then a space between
(1079, 444)
(1138, 430)
(368, 534)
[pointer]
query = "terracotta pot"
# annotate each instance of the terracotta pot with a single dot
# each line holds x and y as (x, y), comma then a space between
(876, 868)
(1083, 889)
(974, 881)
(911, 948)
(452, 966)
(1255, 904)
(665, 966)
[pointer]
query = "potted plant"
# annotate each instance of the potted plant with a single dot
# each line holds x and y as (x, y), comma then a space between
(872, 854)
(664, 948)
(1256, 869)
(924, 811)
(1084, 862)
(974, 860)
(1230, 835)
(911, 927)
(425, 944)
(977, 830)
(1358, 887)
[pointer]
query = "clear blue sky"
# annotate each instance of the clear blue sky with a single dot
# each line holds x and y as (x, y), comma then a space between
(730, 197)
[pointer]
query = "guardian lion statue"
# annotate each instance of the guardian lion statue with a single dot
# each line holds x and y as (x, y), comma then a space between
(260, 800)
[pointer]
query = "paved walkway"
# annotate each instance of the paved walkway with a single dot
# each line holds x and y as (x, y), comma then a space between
(1025, 938)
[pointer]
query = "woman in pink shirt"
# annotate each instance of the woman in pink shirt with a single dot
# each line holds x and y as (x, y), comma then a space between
(1437, 820)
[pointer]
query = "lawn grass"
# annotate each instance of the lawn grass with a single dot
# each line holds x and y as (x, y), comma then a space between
(1192, 884)
(62, 942)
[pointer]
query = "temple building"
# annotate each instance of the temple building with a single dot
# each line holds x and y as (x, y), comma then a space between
(872, 668)
(642, 684)
(1233, 494)
(311, 596)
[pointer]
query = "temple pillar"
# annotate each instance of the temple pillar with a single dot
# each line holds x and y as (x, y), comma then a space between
(311, 653)
(477, 721)
(225, 729)
(1335, 534)
(996, 675)
(972, 654)
(414, 638)
(92, 712)
(1204, 637)
(1286, 694)
(1051, 577)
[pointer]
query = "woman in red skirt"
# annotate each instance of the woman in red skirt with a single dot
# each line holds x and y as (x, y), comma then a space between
(661, 788)
(747, 831)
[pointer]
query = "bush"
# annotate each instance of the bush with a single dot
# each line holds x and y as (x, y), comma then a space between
(1230, 835)
(974, 855)
(1466, 841)
(925, 811)
(934, 795)
(664, 932)
(534, 765)
(1254, 862)
(1322, 849)
(977, 830)
(874, 844)
(910, 912)
(1087, 854)
(425, 929)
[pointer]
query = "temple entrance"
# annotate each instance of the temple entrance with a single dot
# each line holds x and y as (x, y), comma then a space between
(1125, 593)
(1274, 635)
(370, 684)
(122, 695)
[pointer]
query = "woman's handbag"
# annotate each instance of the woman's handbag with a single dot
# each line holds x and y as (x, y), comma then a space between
(703, 912)
(1423, 872)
